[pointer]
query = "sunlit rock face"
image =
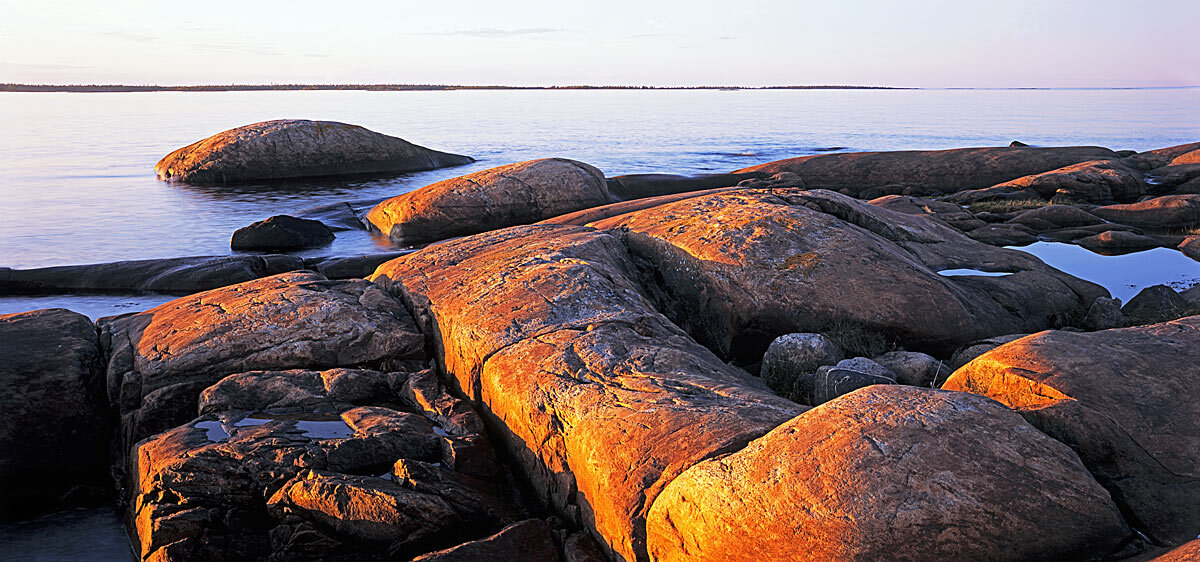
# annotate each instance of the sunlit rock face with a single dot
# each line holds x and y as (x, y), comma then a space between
(55, 426)
(600, 399)
(1160, 157)
(944, 171)
(162, 358)
(1101, 181)
(1124, 399)
(1168, 211)
(509, 195)
(739, 268)
(342, 464)
(294, 148)
(890, 473)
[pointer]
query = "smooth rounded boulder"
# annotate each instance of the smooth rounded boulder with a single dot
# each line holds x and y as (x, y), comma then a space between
(54, 432)
(297, 148)
(1166, 212)
(281, 232)
(1125, 400)
(890, 473)
(944, 171)
(510, 195)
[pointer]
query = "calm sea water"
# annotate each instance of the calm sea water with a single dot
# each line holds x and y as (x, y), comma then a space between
(77, 178)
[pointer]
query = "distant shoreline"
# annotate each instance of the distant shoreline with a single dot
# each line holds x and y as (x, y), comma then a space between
(102, 88)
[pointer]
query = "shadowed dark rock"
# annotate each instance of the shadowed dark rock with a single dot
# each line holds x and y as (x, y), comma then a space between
(638, 186)
(1168, 211)
(296, 148)
(281, 232)
(173, 275)
(1158, 303)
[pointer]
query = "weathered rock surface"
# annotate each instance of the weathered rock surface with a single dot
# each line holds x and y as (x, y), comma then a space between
(587, 216)
(162, 358)
(1099, 181)
(515, 194)
(281, 232)
(1104, 314)
(791, 355)
(832, 381)
(54, 431)
(1118, 242)
(947, 213)
(1125, 400)
(600, 399)
(1168, 211)
(173, 275)
(914, 368)
(1158, 158)
(739, 268)
(1157, 303)
(966, 353)
(890, 473)
(350, 267)
(1190, 246)
(305, 475)
(294, 148)
(524, 541)
(1060, 216)
(1003, 235)
(638, 186)
(944, 171)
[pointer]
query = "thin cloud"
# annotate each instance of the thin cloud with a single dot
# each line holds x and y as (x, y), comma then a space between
(492, 32)
(127, 36)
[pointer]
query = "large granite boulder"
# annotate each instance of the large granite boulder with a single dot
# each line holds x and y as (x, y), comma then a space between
(1099, 181)
(54, 431)
(587, 216)
(890, 473)
(296, 148)
(1124, 399)
(283, 467)
(739, 268)
(170, 275)
(598, 397)
(1166, 212)
(944, 171)
(509, 195)
(162, 358)
(281, 232)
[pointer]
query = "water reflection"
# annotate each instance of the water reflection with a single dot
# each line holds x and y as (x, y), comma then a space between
(91, 535)
(1122, 275)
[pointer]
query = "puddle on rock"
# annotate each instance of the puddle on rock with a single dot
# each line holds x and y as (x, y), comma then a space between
(312, 425)
(215, 430)
(958, 272)
(1124, 275)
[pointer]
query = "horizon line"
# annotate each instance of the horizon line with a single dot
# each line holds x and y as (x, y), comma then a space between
(122, 88)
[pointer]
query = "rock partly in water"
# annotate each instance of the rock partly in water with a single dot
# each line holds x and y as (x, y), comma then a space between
(598, 397)
(281, 232)
(172, 275)
(1154, 304)
(515, 194)
(55, 428)
(295, 148)
(1125, 400)
(940, 171)
(738, 269)
(1119, 242)
(792, 355)
(161, 359)
(1168, 211)
(890, 473)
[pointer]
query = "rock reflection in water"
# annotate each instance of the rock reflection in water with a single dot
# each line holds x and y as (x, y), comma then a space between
(1122, 275)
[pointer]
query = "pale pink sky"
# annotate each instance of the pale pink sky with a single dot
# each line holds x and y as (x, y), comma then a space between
(924, 43)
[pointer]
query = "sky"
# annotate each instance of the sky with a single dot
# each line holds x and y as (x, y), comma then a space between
(913, 43)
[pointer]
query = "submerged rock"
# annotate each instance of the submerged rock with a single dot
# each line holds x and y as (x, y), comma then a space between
(296, 148)
(1124, 400)
(519, 193)
(281, 232)
(890, 473)
(944, 171)
(55, 428)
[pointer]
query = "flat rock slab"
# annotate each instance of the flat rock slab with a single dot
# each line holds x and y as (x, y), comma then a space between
(598, 397)
(944, 171)
(56, 418)
(890, 473)
(1124, 399)
(162, 358)
(296, 148)
(170, 275)
(739, 268)
(515, 194)
(1166, 212)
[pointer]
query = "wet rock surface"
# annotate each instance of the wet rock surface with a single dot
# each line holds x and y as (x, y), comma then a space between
(515, 194)
(865, 476)
(1123, 400)
(172, 275)
(296, 148)
(56, 417)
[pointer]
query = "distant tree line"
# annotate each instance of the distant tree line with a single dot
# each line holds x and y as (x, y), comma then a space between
(381, 87)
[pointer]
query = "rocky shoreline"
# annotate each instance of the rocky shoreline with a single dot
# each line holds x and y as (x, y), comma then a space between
(783, 362)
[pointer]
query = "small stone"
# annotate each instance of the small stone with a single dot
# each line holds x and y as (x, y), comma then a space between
(914, 368)
(847, 376)
(281, 232)
(1103, 315)
(792, 355)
